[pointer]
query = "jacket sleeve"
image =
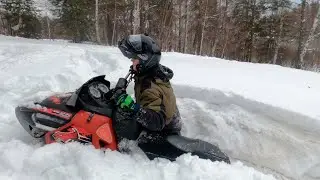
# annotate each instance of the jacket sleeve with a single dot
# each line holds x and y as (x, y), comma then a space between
(151, 111)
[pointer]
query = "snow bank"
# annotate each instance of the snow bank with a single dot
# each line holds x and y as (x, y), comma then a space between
(291, 89)
(74, 161)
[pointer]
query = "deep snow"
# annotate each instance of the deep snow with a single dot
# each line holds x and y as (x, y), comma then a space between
(264, 116)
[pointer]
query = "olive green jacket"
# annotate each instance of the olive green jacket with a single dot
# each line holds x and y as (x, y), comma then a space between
(154, 94)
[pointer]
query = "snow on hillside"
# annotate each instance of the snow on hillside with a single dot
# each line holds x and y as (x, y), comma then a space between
(263, 116)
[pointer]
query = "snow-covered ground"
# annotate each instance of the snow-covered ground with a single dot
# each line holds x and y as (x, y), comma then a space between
(265, 117)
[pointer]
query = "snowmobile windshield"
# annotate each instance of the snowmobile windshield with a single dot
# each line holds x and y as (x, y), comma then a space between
(103, 84)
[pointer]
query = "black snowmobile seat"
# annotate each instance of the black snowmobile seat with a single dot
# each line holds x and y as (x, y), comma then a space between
(198, 147)
(173, 146)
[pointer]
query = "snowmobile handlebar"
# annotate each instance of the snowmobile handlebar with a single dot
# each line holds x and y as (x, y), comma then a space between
(122, 84)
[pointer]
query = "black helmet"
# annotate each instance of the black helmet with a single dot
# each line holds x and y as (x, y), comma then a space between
(142, 47)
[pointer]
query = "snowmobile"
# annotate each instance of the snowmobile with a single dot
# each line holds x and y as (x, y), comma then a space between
(89, 115)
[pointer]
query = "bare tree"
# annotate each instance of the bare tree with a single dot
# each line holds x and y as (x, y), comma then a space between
(48, 21)
(251, 30)
(217, 14)
(301, 34)
(97, 21)
(203, 25)
(225, 29)
(186, 26)
(114, 22)
(136, 16)
(311, 36)
(281, 14)
(180, 28)
(278, 41)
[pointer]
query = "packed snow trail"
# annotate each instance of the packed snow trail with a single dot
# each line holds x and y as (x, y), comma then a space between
(258, 122)
(252, 132)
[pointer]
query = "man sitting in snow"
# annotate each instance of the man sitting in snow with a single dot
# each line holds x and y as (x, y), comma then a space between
(155, 107)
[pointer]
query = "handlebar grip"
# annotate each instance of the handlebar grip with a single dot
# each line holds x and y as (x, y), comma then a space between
(117, 93)
(122, 83)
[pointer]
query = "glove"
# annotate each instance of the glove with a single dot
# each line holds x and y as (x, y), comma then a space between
(126, 102)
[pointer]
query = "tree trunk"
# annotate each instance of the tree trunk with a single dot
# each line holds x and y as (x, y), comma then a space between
(186, 27)
(297, 63)
(4, 29)
(180, 28)
(136, 17)
(215, 46)
(216, 11)
(278, 41)
(225, 30)
(105, 26)
(48, 23)
(109, 29)
(310, 37)
(114, 23)
(97, 22)
(163, 20)
(48, 26)
(104, 32)
(142, 17)
(146, 17)
(203, 26)
(197, 37)
(224, 45)
(168, 38)
(251, 38)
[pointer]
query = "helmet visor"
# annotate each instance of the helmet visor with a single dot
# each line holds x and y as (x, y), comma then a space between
(126, 52)
(135, 42)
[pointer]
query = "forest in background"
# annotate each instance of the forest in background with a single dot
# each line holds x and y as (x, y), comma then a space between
(281, 32)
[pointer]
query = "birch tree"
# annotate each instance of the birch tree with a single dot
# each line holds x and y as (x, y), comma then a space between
(136, 16)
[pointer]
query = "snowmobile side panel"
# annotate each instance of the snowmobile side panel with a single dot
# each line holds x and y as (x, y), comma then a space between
(54, 112)
(98, 127)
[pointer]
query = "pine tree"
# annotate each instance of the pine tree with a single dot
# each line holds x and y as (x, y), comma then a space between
(78, 18)
(21, 18)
